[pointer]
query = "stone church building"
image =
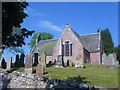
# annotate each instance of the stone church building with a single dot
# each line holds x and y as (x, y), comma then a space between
(69, 45)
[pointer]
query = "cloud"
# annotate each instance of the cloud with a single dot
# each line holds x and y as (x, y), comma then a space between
(49, 25)
(33, 12)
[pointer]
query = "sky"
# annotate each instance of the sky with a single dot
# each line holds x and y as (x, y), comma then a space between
(83, 18)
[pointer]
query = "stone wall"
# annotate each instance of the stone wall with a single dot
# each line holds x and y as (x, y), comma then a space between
(48, 59)
(25, 80)
(77, 47)
(94, 56)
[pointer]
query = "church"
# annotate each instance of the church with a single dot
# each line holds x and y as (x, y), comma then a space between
(69, 45)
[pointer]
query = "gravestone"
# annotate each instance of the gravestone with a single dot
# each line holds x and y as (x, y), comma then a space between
(40, 69)
(110, 61)
(16, 64)
(115, 59)
(28, 63)
(1, 51)
(79, 61)
(3, 63)
(43, 59)
(9, 63)
(22, 56)
(35, 59)
(69, 62)
(96, 63)
(59, 62)
(104, 58)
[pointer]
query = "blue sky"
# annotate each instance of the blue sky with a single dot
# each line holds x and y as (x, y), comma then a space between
(83, 17)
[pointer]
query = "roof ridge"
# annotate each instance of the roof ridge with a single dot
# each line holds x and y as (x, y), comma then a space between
(48, 39)
(88, 34)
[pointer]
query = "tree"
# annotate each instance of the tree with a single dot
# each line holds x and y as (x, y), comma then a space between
(107, 42)
(43, 36)
(13, 34)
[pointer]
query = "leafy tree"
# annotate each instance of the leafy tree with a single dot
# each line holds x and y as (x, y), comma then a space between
(107, 42)
(13, 34)
(43, 36)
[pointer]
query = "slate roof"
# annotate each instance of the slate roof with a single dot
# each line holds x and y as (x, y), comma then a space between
(91, 42)
(45, 45)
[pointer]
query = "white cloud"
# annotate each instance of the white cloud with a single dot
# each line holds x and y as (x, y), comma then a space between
(49, 25)
(33, 12)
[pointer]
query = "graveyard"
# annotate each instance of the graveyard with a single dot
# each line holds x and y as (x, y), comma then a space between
(102, 75)
(91, 75)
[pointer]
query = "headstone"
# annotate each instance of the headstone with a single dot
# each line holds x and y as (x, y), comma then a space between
(3, 63)
(110, 61)
(104, 58)
(79, 61)
(28, 63)
(69, 62)
(35, 59)
(22, 56)
(9, 63)
(43, 59)
(40, 69)
(59, 62)
(1, 51)
(96, 63)
(16, 64)
(115, 59)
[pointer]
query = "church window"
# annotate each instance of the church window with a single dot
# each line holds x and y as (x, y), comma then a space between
(70, 49)
(67, 48)
(63, 50)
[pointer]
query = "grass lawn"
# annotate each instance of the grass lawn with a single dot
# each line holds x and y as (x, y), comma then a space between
(102, 76)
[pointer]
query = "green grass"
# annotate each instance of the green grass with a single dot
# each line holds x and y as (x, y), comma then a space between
(21, 69)
(102, 76)
(91, 75)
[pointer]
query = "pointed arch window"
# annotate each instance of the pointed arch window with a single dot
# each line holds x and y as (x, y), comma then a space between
(67, 48)
(70, 49)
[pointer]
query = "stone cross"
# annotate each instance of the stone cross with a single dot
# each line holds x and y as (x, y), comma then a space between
(9, 63)
(40, 69)
(43, 59)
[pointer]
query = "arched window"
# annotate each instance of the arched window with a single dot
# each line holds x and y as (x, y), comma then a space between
(67, 48)
(63, 50)
(70, 49)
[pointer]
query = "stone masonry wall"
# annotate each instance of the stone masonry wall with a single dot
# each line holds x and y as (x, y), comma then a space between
(94, 56)
(25, 80)
(77, 48)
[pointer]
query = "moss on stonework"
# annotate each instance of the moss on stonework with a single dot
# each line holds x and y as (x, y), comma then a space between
(48, 48)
